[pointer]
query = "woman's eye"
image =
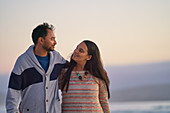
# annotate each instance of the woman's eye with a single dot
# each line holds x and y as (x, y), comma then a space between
(81, 51)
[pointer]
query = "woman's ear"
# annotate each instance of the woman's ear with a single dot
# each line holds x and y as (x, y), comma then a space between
(89, 57)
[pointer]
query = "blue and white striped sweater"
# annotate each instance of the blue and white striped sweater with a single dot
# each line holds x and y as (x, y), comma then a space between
(38, 90)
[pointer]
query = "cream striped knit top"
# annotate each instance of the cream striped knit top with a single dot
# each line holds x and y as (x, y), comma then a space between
(88, 95)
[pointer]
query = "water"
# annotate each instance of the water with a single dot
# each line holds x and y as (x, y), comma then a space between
(141, 107)
(134, 107)
(123, 107)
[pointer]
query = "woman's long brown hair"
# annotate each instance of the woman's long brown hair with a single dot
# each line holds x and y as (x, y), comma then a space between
(94, 66)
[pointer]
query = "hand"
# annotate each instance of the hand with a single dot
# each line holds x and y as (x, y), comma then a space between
(20, 107)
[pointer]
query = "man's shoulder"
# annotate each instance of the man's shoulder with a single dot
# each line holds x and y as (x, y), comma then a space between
(55, 52)
(57, 57)
(21, 57)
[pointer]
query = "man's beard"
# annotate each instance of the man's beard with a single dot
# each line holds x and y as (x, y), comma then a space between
(48, 48)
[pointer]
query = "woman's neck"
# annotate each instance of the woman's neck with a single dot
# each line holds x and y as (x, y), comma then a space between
(79, 67)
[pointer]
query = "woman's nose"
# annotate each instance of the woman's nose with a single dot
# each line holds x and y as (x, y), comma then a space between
(76, 50)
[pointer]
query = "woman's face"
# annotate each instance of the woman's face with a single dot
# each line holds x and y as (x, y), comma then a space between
(80, 54)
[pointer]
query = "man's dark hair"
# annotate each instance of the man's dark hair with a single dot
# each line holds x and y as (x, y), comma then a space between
(41, 31)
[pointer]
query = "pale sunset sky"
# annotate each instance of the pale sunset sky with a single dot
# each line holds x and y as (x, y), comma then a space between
(126, 31)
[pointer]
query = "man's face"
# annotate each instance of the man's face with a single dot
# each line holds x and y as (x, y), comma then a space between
(49, 41)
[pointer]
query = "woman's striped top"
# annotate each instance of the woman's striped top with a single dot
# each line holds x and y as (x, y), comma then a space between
(88, 95)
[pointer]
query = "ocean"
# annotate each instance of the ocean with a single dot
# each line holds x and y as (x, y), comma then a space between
(141, 107)
(134, 107)
(143, 75)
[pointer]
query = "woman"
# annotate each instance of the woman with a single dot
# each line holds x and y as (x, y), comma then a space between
(84, 83)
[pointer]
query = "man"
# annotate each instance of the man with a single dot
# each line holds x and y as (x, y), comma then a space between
(33, 81)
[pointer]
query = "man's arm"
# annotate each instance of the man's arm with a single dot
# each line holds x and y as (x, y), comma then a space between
(14, 89)
(12, 100)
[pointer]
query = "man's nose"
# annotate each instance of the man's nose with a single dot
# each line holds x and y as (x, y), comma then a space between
(55, 42)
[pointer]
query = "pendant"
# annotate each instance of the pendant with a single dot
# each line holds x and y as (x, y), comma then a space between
(80, 77)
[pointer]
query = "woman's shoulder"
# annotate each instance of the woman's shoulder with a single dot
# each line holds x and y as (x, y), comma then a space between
(98, 80)
(63, 71)
(94, 78)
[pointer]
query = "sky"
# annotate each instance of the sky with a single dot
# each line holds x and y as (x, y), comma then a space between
(126, 31)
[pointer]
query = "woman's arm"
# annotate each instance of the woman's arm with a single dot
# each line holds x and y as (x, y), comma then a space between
(61, 78)
(103, 96)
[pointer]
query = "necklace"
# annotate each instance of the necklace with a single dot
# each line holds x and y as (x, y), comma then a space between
(79, 76)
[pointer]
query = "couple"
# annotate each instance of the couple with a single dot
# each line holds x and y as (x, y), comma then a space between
(41, 71)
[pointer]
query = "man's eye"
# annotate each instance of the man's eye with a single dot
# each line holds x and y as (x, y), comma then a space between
(52, 39)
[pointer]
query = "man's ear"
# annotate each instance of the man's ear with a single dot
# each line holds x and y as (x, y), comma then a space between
(89, 57)
(41, 40)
